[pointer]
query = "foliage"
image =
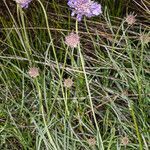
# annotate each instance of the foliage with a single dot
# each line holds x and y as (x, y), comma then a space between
(109, 99)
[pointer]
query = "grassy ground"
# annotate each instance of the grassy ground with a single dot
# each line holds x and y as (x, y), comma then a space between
(108, 106)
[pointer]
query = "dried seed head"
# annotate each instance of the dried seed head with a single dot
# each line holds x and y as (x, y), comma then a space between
(72, 40)
(33, 72)
(92, 141)
(68, 83)
(125, 140)
(130, 19)
(145, 38)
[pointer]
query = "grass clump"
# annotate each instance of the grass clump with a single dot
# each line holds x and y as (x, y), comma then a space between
(105, 105)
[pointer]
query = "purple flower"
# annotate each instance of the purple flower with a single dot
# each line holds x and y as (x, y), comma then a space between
(23, 3)
(86, 8)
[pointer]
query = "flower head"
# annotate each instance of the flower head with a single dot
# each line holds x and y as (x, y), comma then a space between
(130, 19)
(68, 83)
(125, 140)
(72, 40)
(23, 3)
(86, 8)
(33, 72)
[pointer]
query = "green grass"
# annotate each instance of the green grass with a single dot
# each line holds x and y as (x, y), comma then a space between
(110, 69)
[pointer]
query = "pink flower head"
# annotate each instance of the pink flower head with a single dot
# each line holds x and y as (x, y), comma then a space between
(125, 140)
(72, 40)
(68, 83)
(33, 72)
(23, 3)
(130, 19)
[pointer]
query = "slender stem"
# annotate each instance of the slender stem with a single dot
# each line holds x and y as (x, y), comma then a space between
(41, 109)
(89, 93)
(53, 48)
(135, 124)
